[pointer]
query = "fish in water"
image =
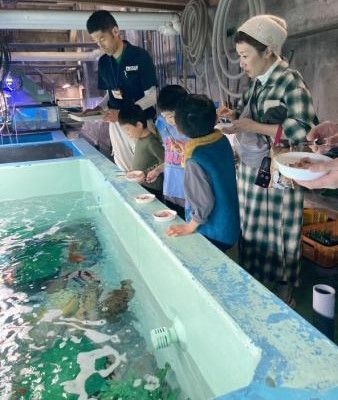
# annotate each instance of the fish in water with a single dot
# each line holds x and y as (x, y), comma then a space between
(8, 277)
(73, 256)
(117, 300)
(80, 277)
(89, 301)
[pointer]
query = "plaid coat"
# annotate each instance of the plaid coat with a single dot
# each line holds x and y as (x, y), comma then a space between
(271, 219)
(285, 86)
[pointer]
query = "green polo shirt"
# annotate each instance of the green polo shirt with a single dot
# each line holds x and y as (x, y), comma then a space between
(149, 152)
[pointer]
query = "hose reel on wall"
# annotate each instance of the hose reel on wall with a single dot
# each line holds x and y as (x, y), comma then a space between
(196, 27)
(202, 39)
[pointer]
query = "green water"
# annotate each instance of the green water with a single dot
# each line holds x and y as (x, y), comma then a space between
(70, 308)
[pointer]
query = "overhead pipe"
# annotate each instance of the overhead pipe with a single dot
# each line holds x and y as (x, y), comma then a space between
(76, 20)
(58, 45)
(55, 56)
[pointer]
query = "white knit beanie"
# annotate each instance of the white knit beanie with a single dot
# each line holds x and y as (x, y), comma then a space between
(266, 29)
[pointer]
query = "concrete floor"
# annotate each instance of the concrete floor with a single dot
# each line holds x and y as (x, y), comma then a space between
(312, 274)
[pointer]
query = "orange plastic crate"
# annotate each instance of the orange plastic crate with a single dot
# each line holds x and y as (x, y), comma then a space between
(314, 216)
(325, 256)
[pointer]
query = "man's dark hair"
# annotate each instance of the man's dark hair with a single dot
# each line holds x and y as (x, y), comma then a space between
(169, 96)
(101, 20)
(132, 114)
(195, 116)
(243, 37)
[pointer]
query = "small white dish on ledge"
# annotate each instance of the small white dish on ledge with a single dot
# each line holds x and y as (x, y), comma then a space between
(164, 215)
(144, 198)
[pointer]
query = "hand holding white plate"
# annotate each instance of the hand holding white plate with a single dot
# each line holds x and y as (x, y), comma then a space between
(164, 215)
(290, 165)
(135, 176)
(225, 127)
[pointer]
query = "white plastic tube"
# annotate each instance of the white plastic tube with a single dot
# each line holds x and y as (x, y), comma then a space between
(323, 300)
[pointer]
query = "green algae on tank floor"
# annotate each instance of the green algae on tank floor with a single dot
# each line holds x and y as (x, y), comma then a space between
(47, 375)
(150, 387)
(40, 258)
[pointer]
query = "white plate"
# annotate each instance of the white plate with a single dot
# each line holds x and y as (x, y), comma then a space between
(135, 176)
(145, 198)
(301, 174)
(164, 215)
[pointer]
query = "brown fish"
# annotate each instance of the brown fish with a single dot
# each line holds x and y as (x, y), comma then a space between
(73, 256)
(117, 300)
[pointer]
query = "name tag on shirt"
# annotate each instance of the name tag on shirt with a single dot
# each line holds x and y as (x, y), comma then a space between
(131, 68)
(117, 94)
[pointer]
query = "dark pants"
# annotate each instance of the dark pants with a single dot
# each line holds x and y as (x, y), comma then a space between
(180, 210)
(157, 193)
(220, 245)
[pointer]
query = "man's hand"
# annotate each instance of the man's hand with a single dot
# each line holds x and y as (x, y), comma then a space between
(328, 181)
(183, 229)
(111, 116)
(88, 112)
(245, 125)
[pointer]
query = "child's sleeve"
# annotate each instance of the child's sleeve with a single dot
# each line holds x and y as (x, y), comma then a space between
(198, 192)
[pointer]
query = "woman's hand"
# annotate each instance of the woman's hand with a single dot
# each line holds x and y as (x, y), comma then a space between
(328, 181)
(245, 125)
(226, 112)
(327, 133)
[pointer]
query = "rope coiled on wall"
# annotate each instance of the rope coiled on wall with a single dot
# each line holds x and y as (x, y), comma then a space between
(223, 62)
(203, 40)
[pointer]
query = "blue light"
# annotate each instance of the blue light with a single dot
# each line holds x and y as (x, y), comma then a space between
(13, 82)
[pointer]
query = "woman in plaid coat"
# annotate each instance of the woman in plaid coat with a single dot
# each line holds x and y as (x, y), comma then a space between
(271, 218)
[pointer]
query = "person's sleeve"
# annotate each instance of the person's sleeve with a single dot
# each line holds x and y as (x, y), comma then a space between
(149, 99)
(157, 149)
(102, 83)
(198, 192)
(104, 102)
(301, 116)
(160, 124)
(148, 72)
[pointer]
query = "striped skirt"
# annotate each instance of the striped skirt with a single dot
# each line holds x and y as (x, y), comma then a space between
(271, 222)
